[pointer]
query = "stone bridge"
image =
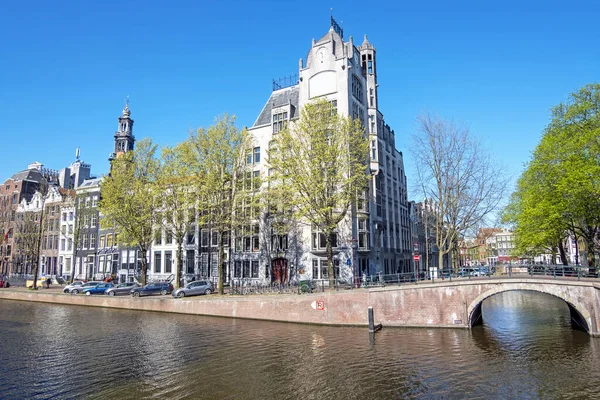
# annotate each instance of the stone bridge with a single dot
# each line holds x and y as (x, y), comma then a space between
(458, 303)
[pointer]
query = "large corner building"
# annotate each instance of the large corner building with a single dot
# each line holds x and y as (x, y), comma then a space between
(375, 238)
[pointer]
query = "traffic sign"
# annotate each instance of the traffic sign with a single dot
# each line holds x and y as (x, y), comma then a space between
(348, 262)
(318, 305)
(416, 258)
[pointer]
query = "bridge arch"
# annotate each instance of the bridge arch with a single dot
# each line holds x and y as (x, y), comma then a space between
(580, 315)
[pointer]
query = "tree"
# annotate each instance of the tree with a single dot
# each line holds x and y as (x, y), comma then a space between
(458, 176)
(217, 157)
(128, 203)
(318, 166)
(559, 192)
(175, 190)
(29, 230)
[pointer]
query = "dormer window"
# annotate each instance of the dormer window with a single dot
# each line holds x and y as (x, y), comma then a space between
(279, 121)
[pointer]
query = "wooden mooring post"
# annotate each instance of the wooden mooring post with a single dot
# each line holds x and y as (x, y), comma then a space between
(372, 327)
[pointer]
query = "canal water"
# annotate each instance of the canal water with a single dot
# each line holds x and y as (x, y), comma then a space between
(525, 348)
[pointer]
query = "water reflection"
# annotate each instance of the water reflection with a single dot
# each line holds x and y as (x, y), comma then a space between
(524, 349)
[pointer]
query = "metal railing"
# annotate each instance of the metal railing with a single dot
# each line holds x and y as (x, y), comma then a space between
(531, 270)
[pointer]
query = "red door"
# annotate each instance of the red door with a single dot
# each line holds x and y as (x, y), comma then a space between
(279, 270)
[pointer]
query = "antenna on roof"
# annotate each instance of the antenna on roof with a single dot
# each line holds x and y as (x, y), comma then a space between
(77, 154)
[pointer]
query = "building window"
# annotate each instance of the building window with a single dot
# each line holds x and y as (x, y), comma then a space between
(63, 244)
(90, 261)
(246, 271)
(357, 88)
(85, 241)
(256, 155)
(333, 104)
(157, 262)
(320, 268)
(94, 220)
(169, 237)
(279, 121)
(102, 241)
(191, 237)
(93, 241)
(255, 269)
(319, 241)
(158, 237)
(189, 262)
(168, 262)
(237, 269)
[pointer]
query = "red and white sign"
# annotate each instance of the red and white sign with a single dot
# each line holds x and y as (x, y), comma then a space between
(318, 305)
(416, 258)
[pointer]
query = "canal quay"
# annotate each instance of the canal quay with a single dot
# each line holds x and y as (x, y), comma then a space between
(525, 348)
(445, 304)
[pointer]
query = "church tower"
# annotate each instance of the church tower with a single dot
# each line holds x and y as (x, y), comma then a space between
(124, 139)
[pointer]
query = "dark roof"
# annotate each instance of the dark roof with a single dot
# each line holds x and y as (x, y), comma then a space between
(33, 175)
(278, 98)
(92, 182)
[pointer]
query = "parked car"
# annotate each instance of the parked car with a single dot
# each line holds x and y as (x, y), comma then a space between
(152, 288)
(194, 289)
(79, 289)
(100, 288)
(72, 285)
(122, 288)
(4, 281)
(468, 272)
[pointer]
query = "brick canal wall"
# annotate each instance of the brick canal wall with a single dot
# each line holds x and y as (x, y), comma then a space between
(455, 304)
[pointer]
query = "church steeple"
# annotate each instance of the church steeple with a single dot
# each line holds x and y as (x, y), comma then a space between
(124, 139)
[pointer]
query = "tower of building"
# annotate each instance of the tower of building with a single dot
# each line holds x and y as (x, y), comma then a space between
(124, 139)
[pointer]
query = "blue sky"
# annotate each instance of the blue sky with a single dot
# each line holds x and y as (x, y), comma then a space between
(67, 66)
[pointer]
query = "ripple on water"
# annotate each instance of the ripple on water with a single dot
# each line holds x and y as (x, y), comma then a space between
(524, 349)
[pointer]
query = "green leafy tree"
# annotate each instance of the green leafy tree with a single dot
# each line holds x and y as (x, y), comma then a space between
(559, 192)
(319, 164)
(175, 191)
(128, 200)
(218, 160)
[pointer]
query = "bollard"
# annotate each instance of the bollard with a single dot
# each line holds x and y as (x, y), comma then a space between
(372, 327)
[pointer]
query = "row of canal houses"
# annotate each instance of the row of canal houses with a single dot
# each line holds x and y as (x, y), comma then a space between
(375, 238)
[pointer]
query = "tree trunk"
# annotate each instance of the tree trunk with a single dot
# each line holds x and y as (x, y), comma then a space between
(220, 261)
(38, 244)
(329, 249)
(440, 265)
(563, 255)
(179, 261)
(144, 265)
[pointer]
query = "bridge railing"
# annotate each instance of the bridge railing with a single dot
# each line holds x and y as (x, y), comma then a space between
(483, 272)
